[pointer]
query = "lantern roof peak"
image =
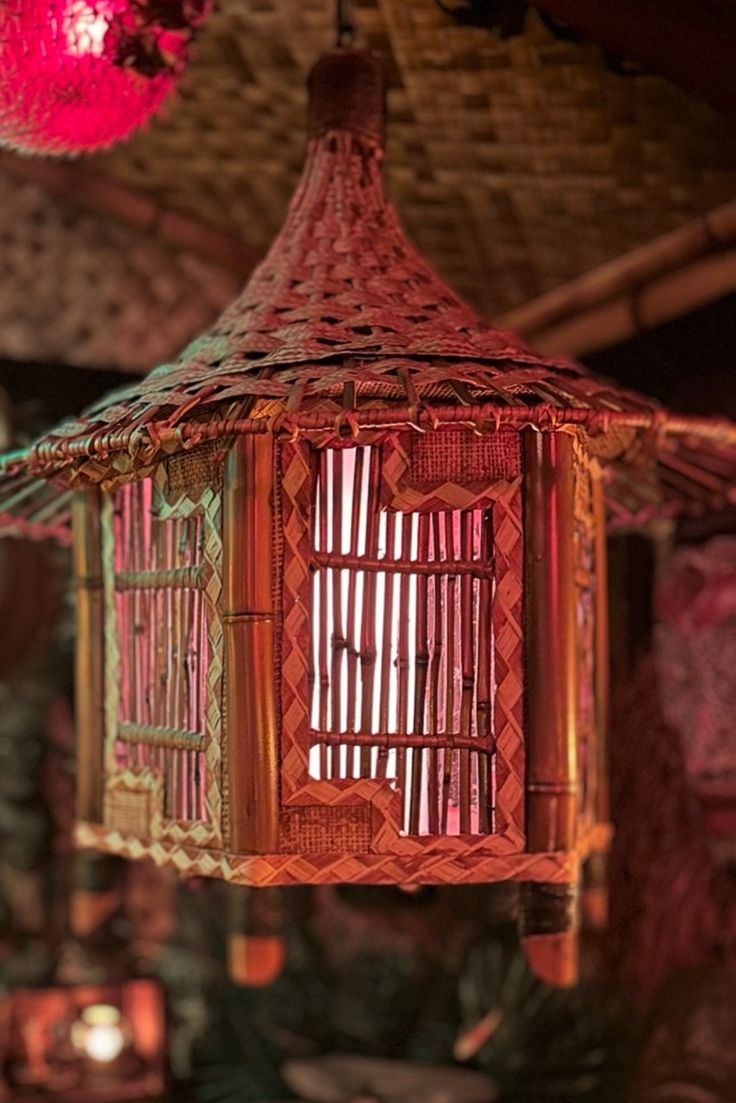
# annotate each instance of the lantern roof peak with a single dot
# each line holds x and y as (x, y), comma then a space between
(343, 300)
(341, 277)
(344, 319)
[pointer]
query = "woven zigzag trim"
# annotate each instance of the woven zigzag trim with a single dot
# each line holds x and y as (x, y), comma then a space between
(315, 869)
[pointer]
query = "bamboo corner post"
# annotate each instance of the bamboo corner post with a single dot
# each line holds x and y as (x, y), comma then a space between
(549, 923)
(96, 892)
(248, 617)
(90, 703)
(256, 949)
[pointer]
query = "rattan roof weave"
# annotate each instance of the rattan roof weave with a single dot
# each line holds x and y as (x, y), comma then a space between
(516, 164)
(345, 324)
(343, 300)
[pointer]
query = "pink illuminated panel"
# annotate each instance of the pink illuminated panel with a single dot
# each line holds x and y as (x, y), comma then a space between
(401, 659)
(163, 647)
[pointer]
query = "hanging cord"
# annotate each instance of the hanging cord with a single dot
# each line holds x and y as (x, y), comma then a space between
(344, 26)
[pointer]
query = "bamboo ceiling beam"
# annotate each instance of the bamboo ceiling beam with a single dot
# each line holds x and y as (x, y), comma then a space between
(655, 283)
(104, 195)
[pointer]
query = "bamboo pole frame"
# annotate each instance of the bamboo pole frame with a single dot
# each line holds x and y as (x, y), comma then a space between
(248, 619)
(549, 913)
(602, 648)
(90, 651)
(549, 587)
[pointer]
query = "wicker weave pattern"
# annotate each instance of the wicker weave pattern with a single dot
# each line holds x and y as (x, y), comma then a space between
(462, 867)
(293, 462)
(314, 830)
(462, 458)
(516, 164)
(298, 788)
(133, 804)
(508, 633)
(405, 484)
(588, 581)
(108, 295)
(344, 315)
(342, 281)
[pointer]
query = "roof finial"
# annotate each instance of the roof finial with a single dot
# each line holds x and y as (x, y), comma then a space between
(347, 91)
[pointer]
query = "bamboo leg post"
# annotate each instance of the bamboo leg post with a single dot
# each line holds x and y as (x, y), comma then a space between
(549, 932)
(549, 920)
(594, 895)
(256, 950)
(96, 892)
(248, 618)
(90, 698)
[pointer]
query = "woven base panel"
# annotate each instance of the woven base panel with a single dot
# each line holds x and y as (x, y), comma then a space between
(321, 869)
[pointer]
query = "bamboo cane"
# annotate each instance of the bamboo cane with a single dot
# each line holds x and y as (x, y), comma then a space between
(90, 703)
(252, 734)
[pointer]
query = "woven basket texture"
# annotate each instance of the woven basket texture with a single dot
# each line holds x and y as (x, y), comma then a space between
(82, 289)
(344, 318)
(515, 165)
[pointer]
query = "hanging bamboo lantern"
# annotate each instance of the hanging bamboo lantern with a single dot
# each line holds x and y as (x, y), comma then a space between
(341, 570)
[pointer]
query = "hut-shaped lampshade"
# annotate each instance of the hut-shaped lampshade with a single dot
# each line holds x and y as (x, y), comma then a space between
(341, 572)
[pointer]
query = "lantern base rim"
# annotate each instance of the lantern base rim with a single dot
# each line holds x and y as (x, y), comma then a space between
(261, 870)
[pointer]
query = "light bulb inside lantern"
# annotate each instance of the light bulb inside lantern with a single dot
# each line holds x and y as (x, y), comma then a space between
(100, 1033)
(85, 27)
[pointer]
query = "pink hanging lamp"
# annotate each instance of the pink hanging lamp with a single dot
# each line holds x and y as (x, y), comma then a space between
(80, 75)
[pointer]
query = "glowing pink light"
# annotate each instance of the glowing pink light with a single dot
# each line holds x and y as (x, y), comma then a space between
(396, 539)
(85, 28)
(81, 75)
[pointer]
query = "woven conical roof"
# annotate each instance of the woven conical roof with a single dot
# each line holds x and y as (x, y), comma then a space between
(343, 297)
(345, 320)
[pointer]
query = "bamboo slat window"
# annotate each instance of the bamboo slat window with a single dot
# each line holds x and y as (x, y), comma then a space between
(163, 652)
(402, 656)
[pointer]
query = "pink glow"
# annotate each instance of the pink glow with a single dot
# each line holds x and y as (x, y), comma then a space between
(164, 651)
(85, 28)
(70, 78)
(341, 527)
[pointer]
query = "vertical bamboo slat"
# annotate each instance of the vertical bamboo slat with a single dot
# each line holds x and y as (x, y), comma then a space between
(551, 642)
(323, 670)
(353, 630)
(368, 651)
(468, 665)
(421, 666)
(90, 705)
(339, 635)
(434, 689)
(248, 616)
(449, 583)
(386, 617)
(484, 706)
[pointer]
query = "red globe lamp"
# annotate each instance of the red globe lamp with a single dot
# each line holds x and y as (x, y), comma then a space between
(81, 75)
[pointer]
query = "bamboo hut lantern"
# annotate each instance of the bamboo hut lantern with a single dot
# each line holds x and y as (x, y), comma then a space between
(341, 571)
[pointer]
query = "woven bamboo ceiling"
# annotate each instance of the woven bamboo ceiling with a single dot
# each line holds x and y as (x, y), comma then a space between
(516, 166)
